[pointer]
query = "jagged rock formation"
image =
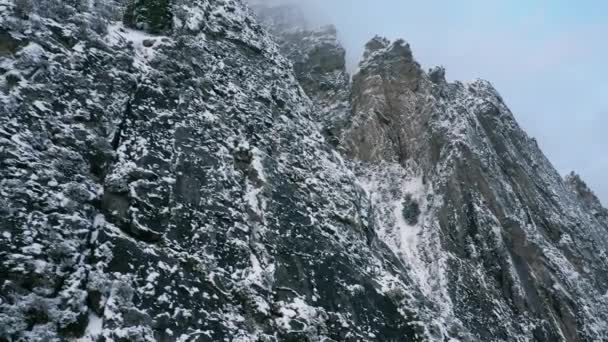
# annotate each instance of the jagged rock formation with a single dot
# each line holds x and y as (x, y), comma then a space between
(174, 187)
(318, 61)
(487, 230)
(514, 254)
(389, 118)
(164, 177)
(586, 196)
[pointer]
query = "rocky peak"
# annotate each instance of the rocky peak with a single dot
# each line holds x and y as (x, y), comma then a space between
(585, 194)
(386, 123)
(381, 50)
(171, 183)
(375, 44)
(465, 144)
(437, 75)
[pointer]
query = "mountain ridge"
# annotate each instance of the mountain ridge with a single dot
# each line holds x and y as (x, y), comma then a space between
(467, 128)
(197, 179)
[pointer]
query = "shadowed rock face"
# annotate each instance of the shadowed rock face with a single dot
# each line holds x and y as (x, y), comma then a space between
(173, 186)
(319, 64)
(153, 16)
(172, 182)
(8, 44)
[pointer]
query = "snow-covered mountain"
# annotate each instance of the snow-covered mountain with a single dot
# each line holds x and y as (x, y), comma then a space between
(465, 198)
(171, 170)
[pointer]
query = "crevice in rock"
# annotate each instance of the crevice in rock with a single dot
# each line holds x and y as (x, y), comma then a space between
(128, 113)
(8, 44)
(152, 16)
(117, 207)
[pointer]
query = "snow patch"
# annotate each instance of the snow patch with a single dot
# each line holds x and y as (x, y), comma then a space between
(418, 245)
(94, 328)
(118, 34)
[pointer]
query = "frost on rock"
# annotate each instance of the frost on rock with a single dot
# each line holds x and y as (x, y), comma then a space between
(170, 184)
(505, 233)
(170, 173)
(319, 62)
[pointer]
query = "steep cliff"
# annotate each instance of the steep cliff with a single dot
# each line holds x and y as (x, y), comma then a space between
(587, 196)
(169, 183)
(502, 245)
(170, 173)
(318, 60)
(499, 245)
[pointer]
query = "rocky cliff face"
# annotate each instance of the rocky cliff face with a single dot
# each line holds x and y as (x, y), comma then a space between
(318, 60)
(586, 196)
(501, 247)
(173, 186)
(512, 251)
(170, 173)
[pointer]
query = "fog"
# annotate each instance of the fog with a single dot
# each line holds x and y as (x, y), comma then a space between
(546, 57)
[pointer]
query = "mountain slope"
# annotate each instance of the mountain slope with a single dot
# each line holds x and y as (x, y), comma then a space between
(169, 184)
(167, 174)
(486, 227)
(508, 226)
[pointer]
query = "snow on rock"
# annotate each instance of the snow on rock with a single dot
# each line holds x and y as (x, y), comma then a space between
(144, 44)
(492, 205)
(204, 182)
(178, 186)
(94, 329)
(485, 227)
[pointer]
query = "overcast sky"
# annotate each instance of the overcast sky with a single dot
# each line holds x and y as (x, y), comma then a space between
(548, 58)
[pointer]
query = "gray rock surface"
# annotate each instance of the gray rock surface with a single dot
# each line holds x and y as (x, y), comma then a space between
(177, 190)
(519, 256)
(318, 60)
(169, 172)
(588, 198)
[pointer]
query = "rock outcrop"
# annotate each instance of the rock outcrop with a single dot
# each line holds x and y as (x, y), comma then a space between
(588, 198)
(512, 251)
(169, 171)
(319, 63)
(173, 186)
(487, 229)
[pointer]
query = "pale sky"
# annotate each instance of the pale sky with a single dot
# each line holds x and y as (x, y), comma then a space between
(548, 58)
